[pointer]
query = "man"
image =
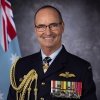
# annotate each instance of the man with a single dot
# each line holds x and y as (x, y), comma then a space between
(52, 73)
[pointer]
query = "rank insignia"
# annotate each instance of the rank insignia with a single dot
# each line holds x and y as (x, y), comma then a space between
(66, 89)
(67, 75)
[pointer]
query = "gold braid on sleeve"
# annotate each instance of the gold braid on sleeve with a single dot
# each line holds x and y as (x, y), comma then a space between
(25, 85)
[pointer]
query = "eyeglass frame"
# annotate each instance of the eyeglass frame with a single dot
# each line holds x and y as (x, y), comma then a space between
(49, 26)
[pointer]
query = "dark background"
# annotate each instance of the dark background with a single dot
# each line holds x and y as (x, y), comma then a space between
(82, 29)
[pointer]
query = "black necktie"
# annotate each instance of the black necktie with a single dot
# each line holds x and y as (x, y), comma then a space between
(46, 61)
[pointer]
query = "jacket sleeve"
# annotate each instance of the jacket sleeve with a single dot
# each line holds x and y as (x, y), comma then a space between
(89, 88)
(11, 94)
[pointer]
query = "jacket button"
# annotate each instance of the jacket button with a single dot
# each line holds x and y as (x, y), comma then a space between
(42, 83)
(41, 98)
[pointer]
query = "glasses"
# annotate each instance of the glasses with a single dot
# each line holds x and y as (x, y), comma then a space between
(52, 26)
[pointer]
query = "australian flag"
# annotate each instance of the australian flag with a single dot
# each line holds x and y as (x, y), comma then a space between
(9, 48)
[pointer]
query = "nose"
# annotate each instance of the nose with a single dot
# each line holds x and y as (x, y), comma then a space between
(48, 31)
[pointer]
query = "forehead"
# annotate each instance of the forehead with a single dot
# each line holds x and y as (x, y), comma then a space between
(47, 15)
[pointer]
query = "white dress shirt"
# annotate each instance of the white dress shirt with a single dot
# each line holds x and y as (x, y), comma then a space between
(52, 56)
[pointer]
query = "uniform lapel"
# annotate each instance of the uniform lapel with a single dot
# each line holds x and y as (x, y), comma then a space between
(59, 63)
(38, 65)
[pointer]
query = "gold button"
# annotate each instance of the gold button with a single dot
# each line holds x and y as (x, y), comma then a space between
(41, 98)
(43, 83)
(21, 79)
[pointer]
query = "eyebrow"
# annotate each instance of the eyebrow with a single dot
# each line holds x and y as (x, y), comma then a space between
(40, 25)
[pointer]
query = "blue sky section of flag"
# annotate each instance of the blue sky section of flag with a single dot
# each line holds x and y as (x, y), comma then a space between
(6, 60)
(9, 46)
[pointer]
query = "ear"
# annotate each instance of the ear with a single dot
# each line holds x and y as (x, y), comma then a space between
(35, 29)
(62, 24)
(34, 26)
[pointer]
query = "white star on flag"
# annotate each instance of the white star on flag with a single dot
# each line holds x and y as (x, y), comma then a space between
(1, 96)
(13, 58)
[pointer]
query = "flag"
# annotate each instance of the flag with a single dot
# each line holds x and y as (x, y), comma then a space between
(9, 47)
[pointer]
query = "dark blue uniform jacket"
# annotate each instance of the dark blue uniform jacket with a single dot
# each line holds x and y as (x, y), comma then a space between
(64, 62)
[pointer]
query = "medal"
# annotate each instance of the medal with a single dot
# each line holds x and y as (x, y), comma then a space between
(66, 89)
(46, 61)
(45, 67)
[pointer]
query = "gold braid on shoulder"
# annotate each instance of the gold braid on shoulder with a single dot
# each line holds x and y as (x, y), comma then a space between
(25, 85)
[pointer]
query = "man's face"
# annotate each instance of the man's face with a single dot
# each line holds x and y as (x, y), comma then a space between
(49, 37)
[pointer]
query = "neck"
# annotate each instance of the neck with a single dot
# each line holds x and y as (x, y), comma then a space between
(48, 51)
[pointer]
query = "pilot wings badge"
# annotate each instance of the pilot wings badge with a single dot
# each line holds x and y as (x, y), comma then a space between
(67, 75)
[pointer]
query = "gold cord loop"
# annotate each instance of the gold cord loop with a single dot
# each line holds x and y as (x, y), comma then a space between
(25, 85)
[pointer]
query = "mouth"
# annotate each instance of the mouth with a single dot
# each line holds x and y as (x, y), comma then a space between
(48, 38)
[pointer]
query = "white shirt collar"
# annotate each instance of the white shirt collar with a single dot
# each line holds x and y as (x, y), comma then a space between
(53, 55)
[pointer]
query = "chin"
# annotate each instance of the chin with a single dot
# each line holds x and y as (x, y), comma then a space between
(49, 46)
